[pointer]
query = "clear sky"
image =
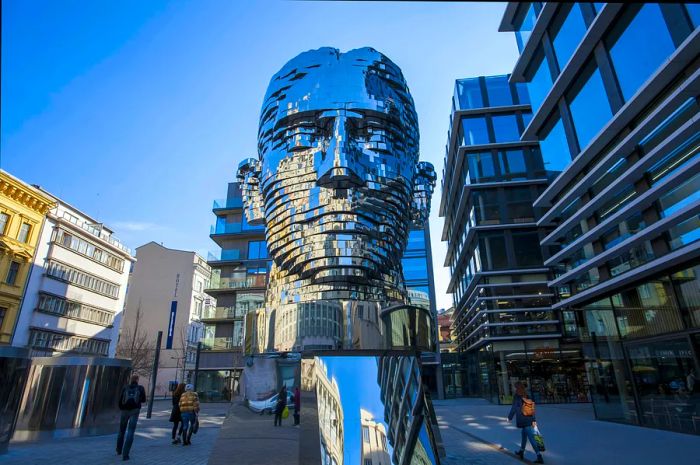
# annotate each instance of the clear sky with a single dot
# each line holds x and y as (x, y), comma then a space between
(137, 112)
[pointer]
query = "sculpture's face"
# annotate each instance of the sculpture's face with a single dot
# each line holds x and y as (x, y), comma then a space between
(338, 146)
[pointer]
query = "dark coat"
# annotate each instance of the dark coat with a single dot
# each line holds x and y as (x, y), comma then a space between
(521, 421)
(281, 402)
(297, 400)
(175, 414)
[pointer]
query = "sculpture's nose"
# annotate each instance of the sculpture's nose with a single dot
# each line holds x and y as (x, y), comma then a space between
(338, 168)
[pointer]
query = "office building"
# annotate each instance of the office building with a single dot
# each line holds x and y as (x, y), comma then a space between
(74, 297)
(239, 279)
(166, 293)
(373, 447)
(505, 328)
(614, 90)
(22, 212)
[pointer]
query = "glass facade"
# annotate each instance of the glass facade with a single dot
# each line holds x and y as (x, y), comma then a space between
(624, 216)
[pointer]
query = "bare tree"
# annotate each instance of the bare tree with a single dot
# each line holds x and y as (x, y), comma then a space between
(135, 344)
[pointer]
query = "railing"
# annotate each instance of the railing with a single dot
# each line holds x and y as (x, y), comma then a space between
(96, 231)
(236, 202)
(219, 312)
(218, 343)
(232, 254)
(238, 283)
(227, 228)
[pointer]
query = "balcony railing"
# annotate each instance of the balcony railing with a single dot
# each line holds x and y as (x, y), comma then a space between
(236, 202)
(220, 313)
(232, 254)
(227, 228)
(219, 343)
(238, 283)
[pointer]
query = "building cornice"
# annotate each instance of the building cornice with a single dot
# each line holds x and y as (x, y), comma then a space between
(24, 194)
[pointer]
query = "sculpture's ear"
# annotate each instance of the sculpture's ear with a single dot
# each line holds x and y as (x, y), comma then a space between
(423, 186)
(249, 177)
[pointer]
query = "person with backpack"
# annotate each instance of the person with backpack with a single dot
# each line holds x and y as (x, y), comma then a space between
(175, 415)
(189, 407)
(130, 400)
(523, 409)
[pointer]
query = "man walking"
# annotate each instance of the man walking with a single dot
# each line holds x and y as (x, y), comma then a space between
(130, 400)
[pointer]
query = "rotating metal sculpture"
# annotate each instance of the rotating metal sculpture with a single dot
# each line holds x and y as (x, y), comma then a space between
(338, 184)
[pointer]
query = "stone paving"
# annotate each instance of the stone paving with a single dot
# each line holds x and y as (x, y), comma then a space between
(151, 444)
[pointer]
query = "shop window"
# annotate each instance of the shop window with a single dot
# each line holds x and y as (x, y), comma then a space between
(646, 310)
(638, 46)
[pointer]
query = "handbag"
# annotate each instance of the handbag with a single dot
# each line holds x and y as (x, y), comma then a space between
(285, 412)
(195, 428)
(539, 439)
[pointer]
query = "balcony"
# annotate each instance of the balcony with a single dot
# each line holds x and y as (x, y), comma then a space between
(222, 204)
(249, 282)
(225, 228)
(224, 255)
(219, 343)
(221, 313)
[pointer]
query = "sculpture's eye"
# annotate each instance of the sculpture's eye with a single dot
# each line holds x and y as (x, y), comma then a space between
(301, 137)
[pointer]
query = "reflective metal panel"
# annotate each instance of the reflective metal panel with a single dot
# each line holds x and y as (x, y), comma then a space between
(14, 367)
(71, 396)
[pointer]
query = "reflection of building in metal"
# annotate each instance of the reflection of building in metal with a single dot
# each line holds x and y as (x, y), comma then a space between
(239, 279)
(309, 325)
(330, 416)
(406, 410)
(374, 449)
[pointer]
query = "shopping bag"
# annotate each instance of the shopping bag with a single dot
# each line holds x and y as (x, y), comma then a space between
(539, 439)
(195, 427)
(285, 412)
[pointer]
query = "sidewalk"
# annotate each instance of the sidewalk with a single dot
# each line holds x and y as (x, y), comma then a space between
(572, 436)
(248, 438)
(151, 443)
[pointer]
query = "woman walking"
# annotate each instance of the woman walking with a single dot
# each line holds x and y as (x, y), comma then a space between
(524, 411)
(281, 404)
(189, 407)
(175, 416)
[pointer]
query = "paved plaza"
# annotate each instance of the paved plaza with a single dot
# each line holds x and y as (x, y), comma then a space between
(474, 432)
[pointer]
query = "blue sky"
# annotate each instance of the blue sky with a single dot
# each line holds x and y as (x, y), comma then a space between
(137, 112)
(358, 386)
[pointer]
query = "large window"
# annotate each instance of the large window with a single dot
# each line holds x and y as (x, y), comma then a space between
(469, 94)
(554, 146)
(568, 35)
(638, 46)
(589, 104)
(481, 168)
(486, 207)
(519, 207)
(492, 247)
(80, 278)
(86, 248)
(513, 164)
(257, 250)
(415, 269)
(527, 249)
(505, 128)
(24, 231)
(12, 273)
(539, 79)
(525, 19)
(498, 91)
(475, 132)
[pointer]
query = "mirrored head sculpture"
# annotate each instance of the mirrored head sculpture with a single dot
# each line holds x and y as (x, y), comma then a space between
(337, 183)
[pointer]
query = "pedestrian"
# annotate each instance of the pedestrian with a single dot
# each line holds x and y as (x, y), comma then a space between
(130, 400)
(175, 415)
(523, 409)
(690, 381)
(297, 405)
(189, 407)
(281, 404)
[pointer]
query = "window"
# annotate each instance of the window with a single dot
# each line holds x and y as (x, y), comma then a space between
(481, 166)
(12, 273)
(83, 247)
(257, 250)
(486, 207)
(3, 311)
(638, 47)
(414, 268)
(469, 94)
(505, 128)
(523, 96)
(474, 131)
(492, 247)
(527, 249)
(590, 107)
(568, 35)
(513, 162)
(72, 275)
(365, 434)
(368, 461)
(694, 13)
(519, 205)
(525, 19)
(4, 217)
(554, 147)
(539, 79)
(24, 231)
(498, 91)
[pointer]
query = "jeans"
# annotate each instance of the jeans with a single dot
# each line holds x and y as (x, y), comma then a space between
(127, 424)
(528, 433)
(188, 419)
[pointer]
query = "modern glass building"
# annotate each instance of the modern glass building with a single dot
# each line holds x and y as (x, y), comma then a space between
(506, 330)
(614, 90)
(239, 279)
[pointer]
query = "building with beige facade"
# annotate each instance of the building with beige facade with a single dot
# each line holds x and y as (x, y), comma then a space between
(166, 293)
(330, 416)
(374, 449)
